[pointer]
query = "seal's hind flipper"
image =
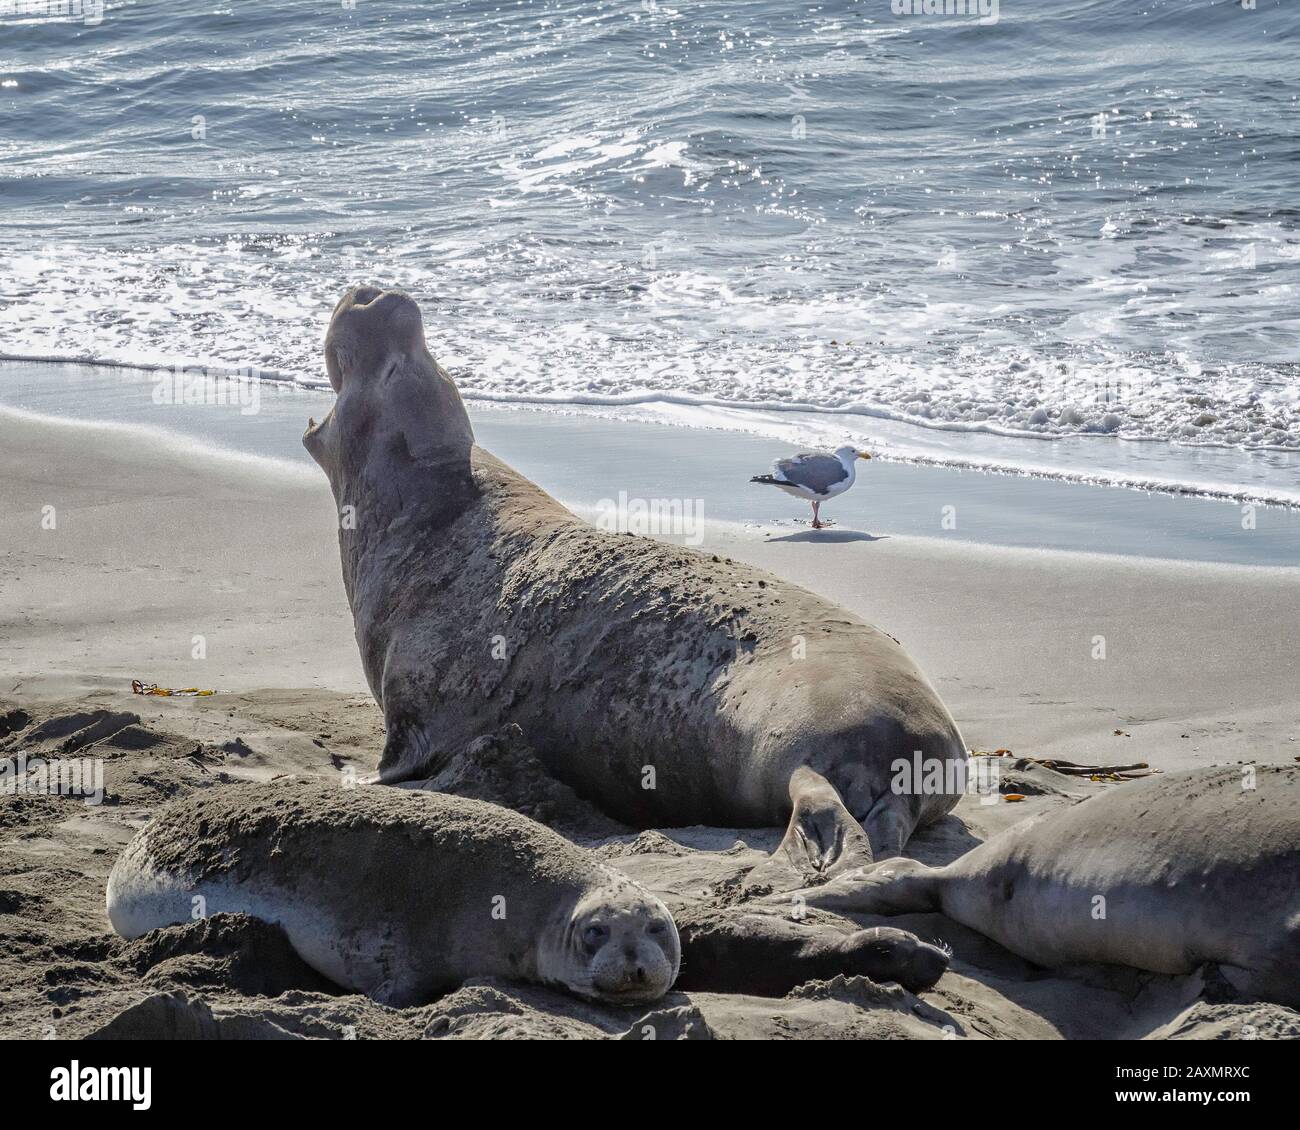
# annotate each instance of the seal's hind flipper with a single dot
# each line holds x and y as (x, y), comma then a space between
(889, 825)
(822, 840)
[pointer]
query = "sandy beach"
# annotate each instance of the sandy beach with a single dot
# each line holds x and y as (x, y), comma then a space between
(131, 554)
(553, 521)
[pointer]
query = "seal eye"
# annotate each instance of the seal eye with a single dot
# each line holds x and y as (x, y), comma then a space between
(593, 937)
(658, 926)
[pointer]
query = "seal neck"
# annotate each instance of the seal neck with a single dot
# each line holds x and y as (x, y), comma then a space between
(396, 446)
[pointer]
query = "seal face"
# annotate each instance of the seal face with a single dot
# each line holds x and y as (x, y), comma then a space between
(898, 955)
(620, 946)
(399, 894)
(668, 687)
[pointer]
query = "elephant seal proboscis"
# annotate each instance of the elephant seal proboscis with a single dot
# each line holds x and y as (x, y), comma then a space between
(667, 686)
(399, 894)
(1163, 874)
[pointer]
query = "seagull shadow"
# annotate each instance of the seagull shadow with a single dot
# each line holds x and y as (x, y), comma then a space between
(830, 535)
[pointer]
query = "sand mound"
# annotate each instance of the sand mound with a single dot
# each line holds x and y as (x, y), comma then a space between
(64, 974)
(225, 951)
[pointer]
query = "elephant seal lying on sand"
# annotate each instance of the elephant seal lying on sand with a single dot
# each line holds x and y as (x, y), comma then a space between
(397, 894)
(668, 687)
(738, 951)
(404, 894)
(1163, 874)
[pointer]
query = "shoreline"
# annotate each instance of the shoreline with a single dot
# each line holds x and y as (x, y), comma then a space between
(156, 549)
(1266, 476)
(584, 459)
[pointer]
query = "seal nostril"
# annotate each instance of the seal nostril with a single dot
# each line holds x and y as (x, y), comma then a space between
(640, 973)
(364, 295)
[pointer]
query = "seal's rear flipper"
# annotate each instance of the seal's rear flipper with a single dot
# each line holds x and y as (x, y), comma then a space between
(822, 840)
(889, 825)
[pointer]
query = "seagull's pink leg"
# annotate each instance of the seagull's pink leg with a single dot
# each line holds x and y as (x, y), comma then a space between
(817, 522)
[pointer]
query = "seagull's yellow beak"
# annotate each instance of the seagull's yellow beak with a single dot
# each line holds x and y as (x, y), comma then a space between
(864, 455)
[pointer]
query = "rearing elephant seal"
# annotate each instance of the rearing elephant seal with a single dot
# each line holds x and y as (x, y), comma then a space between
(668, 687)
(1164, 874)
(400, 894)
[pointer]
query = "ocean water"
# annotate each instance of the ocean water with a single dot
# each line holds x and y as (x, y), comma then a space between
(1065, 240)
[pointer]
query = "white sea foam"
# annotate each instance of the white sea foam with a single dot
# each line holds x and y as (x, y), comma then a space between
(641, 210)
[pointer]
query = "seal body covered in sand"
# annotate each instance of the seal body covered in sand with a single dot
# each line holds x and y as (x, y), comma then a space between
(667, 686)
(1163, 874)
(399, 894)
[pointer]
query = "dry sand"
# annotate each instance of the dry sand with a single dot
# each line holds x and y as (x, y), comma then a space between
(156, 544)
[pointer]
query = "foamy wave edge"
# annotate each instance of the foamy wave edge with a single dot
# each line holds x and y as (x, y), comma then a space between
(1187, 489)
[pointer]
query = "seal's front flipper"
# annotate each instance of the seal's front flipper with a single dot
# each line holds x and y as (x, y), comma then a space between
(401, 992)
(892, 886)
(409, 752)
(822, 840)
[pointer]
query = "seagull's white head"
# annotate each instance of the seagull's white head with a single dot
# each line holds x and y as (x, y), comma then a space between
(848, 453)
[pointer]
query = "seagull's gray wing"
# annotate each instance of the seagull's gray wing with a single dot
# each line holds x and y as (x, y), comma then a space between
(811, 471)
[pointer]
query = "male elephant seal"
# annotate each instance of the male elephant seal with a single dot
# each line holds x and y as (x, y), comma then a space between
(667, 686)
(398, 894)
(1162, 874)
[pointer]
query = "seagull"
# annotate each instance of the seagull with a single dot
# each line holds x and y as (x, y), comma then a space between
(815, 475)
